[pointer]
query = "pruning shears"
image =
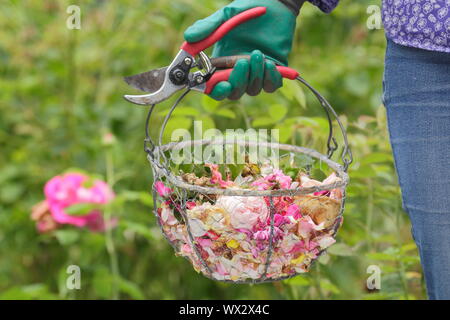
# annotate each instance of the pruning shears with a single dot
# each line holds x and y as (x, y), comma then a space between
(162, 83)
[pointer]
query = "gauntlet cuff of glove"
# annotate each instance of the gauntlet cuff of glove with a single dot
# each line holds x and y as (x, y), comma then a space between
(293, 5)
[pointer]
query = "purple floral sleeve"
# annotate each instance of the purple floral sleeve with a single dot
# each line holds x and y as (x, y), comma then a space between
(325, 5)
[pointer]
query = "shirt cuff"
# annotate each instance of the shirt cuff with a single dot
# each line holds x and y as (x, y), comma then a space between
(325, 5)
(293, 5)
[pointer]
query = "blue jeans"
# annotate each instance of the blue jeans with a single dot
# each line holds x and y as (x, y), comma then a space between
(417, 100)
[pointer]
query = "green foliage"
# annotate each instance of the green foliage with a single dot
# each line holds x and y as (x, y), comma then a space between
(61, 92)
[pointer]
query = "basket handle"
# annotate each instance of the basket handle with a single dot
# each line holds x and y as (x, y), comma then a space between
(332, 146)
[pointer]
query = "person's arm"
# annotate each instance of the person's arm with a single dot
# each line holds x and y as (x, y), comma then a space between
(325, 5)
(267, 39)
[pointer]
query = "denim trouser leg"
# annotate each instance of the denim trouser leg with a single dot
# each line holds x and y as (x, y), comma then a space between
(417, 99)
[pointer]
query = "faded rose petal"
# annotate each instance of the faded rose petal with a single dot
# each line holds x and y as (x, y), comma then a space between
(190, 205)
(39, 210)
(294, 211)
(216, 176)
(325, 242)
(336, 194)
(204, 242)
(162, 190)
(324, 193)
(333, 178)
(197, 228)
(305, 227)
(44, 220)
(269, 181)
(168, 217)
(279, 220)
(307, 182)
(221, 269)
(244, 212)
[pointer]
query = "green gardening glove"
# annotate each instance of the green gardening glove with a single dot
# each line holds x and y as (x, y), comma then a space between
(267, 39)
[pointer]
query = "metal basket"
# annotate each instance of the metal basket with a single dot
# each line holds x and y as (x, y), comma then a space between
(188, 245)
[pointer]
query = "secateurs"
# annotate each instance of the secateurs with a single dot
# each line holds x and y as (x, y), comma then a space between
(162, 83)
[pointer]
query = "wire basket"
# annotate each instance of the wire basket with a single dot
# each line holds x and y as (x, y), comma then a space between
(246, 234)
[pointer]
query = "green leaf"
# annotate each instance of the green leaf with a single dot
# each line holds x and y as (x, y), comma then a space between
(293, 91)
(327, 285)
(284, 131)
(142, 196)
(81, 209)
(379, 256)
(263, 122)
(341, 249)
(300, 281)
(141, 229)
(364, 171)
(67, 237)
(207, 123)
(376, 157)
(209, 104)
(174, 124)
(38, 291)
(358, 83)
(103, 283)
(181, 111)
(324, 259)
(226, 113)
(318, 175)
(277, 112)
(303, 160)
(131, 289)
(11, 192)
(146, 198)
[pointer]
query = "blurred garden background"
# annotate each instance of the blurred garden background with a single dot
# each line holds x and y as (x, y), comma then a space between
(61, 107)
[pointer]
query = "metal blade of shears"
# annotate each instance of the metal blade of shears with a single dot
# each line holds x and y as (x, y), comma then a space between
(150, 81)
(168, 87)
(177, 76)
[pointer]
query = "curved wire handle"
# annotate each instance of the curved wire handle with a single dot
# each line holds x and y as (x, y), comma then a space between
(332, 145)
(347, 156)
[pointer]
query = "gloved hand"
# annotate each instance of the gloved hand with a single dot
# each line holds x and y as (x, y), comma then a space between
(268, 39)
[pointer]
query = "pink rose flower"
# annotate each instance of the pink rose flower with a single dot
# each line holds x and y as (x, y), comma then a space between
(245, 212)
(69, 189)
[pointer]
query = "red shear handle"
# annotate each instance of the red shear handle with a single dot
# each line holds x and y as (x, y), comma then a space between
(195, 47)
(224, 75)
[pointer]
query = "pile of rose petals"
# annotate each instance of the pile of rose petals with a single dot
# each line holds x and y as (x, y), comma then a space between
(232, 234)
